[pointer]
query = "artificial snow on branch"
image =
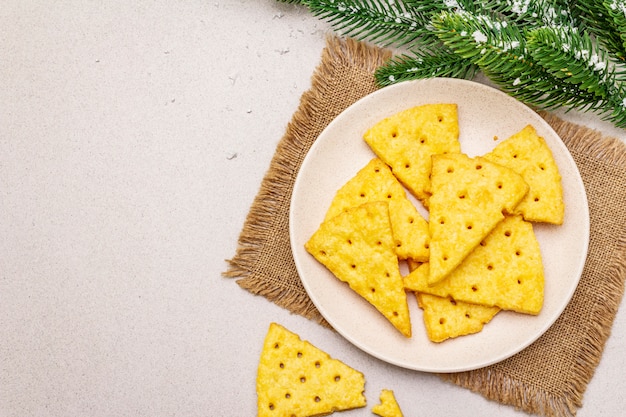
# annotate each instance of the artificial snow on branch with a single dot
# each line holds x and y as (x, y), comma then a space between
(546, 53)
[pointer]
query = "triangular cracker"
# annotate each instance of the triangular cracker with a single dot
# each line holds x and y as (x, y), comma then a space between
(469, 196)
(376, 182)
(445, 318)
(388, 406)
(505, 270)
(406, 140)
(528, 154)
(295, 378)
(358, 248)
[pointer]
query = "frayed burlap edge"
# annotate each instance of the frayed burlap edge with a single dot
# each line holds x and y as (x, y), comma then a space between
(498, 386)
(276, 187)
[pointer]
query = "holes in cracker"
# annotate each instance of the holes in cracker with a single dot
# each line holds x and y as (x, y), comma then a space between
(519, 281)
(373, 290)
(395, 314)
(542, 167)
(362, 195)
(478, 166)
(450, 170)
(302, 379)
(411, 220)
(440, 118)
(499, 185)
(462, 195)
(422, 140)
(467, 315)
(349, 241)
(442, 320)
(271, 407)
(536, 199)
(394, 133)
(469, 226)
(507, 233)
(518, 253)
(353, 266)
(281, 365)
(407, 165)
(337, 378)
(317, 399)
(323, 252)
(276, 345)
(389, 195)
(318, 364)
(489, 267)
(299, 354)
(474, 288)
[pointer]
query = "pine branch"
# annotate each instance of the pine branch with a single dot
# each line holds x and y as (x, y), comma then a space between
(378, 21)
(616, 9)
(498, 48)
(574, 58)
(599, 23)
(427, 63)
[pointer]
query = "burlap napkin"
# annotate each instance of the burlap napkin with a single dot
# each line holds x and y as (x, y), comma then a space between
(549, 377)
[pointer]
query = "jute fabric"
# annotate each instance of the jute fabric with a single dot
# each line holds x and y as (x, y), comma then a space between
(549, 377)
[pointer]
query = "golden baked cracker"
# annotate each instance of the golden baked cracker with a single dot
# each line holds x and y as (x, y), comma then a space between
(388, 406)
(295, 378)
(469, 196)
(358, 248)
(406, 140)
(376, 182)
(505, 270)
(528, 154)
(446, 318)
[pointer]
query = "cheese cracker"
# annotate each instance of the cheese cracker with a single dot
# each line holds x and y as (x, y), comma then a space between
(505, 270)
(528, 154)
(295, 378)
(358, 248)
(406, 140)
(469, 197)
(376, 182)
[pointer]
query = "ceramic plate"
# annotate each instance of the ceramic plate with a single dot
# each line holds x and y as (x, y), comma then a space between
(340, 152)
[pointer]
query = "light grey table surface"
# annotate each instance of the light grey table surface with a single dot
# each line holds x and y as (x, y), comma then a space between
(133, 139)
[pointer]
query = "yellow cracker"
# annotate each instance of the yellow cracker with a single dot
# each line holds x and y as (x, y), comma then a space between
(358, 248)
(376, 182)
(446, 318)
(388, 406)
(469, 196)
(528, 154)
(406, 140)
(295, 378)
(505, 270)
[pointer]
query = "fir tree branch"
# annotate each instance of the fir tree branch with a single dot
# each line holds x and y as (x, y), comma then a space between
(378, 21)
(575, 59)
(599, 23)
(436, 62)
(616, 9)
(498, 48)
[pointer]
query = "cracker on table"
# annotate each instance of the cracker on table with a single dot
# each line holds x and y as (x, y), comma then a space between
(388, 406)
(295, 378)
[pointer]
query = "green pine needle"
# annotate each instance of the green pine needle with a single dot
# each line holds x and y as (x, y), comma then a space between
(425, 64)
(378, 21)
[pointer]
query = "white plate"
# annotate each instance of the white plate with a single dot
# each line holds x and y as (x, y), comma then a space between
(340, 152)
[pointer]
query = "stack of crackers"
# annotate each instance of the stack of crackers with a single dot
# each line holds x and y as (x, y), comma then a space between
(476, 255)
